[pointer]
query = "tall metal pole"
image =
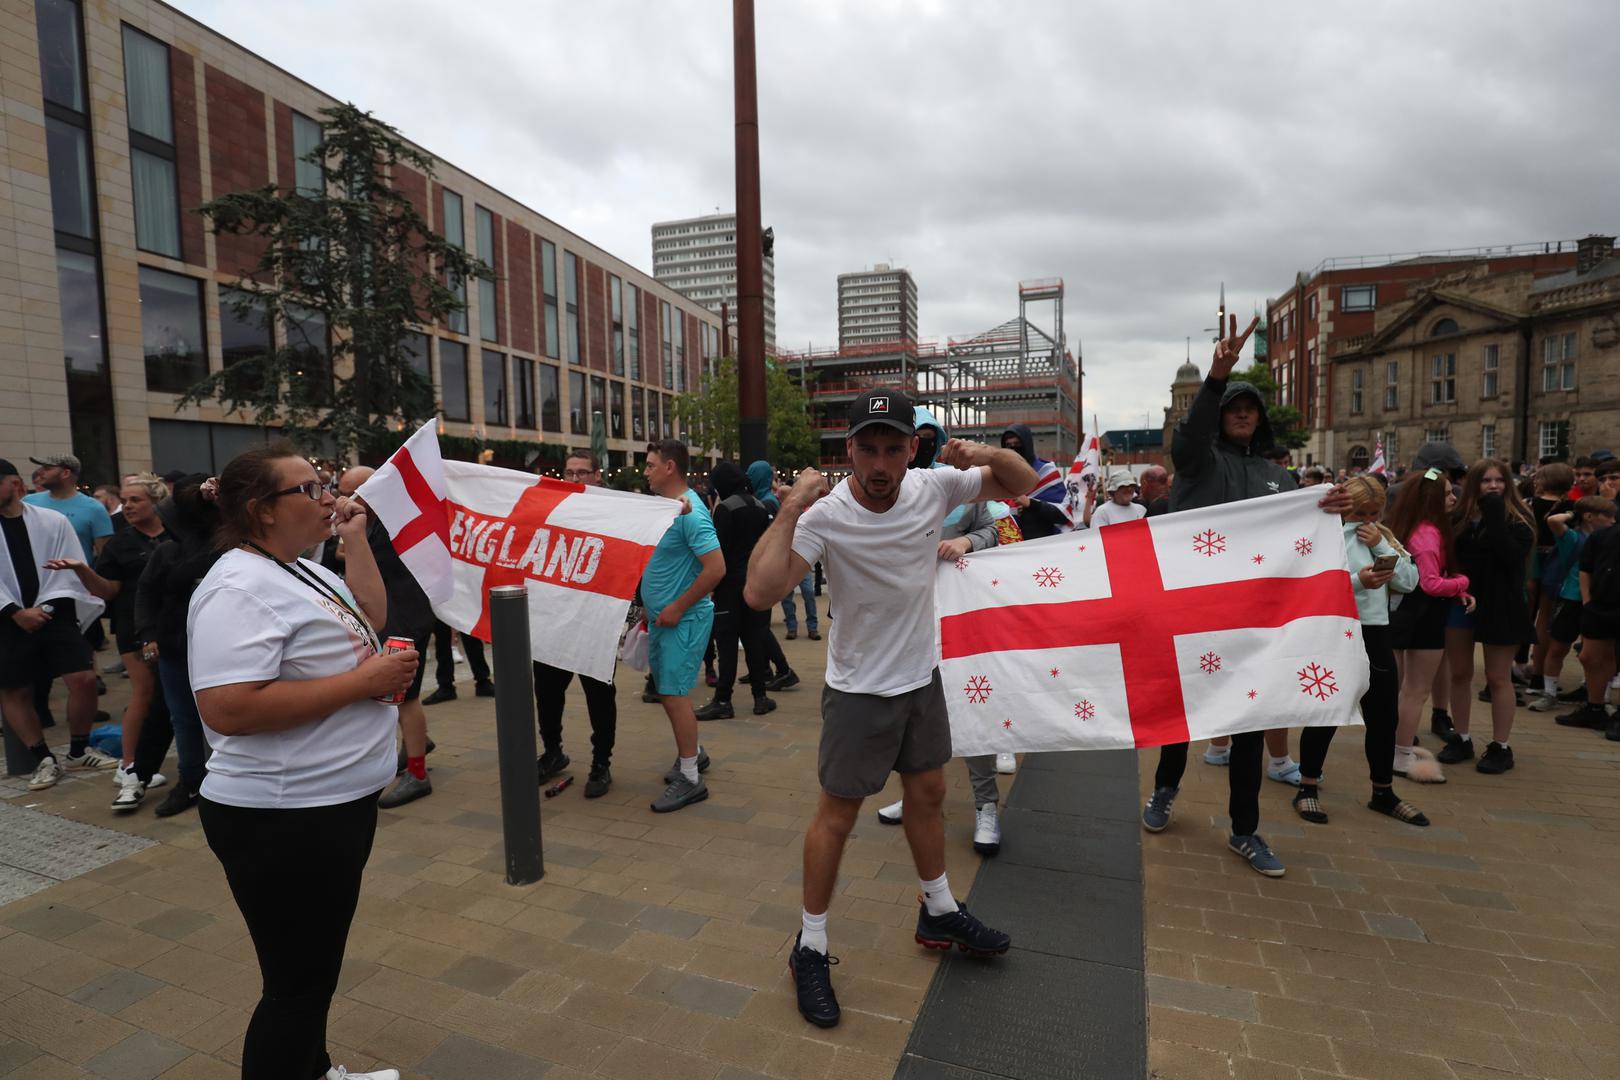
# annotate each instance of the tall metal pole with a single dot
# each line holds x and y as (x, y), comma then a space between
(750, 254)
(514, 733)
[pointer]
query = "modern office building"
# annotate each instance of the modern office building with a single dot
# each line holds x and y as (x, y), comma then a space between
(698, 258)
(876, 306)
(123, 116)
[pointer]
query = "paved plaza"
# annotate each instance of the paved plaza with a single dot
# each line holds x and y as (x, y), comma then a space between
(656, 946)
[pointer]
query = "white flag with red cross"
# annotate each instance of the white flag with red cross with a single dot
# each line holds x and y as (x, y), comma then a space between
(463, 529)
(1085, 473)
(1162, 630)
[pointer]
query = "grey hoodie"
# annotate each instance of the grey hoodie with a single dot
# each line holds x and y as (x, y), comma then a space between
(971, 520)
(1210, 470)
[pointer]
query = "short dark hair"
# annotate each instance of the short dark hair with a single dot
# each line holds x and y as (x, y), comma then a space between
(672, 450)
(1608, 467)
(1555, 478)
(114, 488)
(585, 455)
(248, 480)
(1584, 462)
(1277, 453)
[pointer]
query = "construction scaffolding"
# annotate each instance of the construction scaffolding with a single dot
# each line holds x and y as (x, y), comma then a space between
(1016, 373)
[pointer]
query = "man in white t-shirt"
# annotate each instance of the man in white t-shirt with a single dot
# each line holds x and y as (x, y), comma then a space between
(1121, 491)
(883, 710)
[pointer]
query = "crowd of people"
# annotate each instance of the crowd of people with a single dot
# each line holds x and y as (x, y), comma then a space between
(249, 613)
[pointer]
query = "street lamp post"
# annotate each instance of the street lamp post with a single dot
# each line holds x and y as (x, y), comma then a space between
(750, 245)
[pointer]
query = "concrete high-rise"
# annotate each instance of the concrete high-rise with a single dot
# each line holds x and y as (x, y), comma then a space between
(697, 257)
(876, 305)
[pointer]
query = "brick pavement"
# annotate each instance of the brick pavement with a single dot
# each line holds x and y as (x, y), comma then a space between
(1481, 947)
(654, 946)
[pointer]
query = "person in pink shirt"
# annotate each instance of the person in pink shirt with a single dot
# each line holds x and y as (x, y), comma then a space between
(1421, 520)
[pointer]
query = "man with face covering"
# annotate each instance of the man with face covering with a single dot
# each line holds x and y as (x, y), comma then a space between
(1040, 513)
(740, 519)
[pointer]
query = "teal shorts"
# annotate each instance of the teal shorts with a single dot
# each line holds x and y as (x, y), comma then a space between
(675, 653)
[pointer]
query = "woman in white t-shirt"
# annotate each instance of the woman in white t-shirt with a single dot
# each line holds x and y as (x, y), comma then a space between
(286, 667)
(1121, 489)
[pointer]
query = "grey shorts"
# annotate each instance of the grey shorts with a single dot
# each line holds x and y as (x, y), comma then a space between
(865, 737)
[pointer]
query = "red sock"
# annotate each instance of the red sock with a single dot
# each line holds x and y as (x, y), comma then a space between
(417, 766)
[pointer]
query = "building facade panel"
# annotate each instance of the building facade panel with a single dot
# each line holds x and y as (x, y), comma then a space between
(520, 285)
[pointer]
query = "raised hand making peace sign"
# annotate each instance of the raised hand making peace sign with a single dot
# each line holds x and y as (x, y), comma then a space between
(1230, 348)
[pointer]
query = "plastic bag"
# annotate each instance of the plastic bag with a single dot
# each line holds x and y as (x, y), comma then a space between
(633, 649)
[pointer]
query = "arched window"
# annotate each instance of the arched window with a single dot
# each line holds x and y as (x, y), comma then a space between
(1359, 458)
(1444, 326)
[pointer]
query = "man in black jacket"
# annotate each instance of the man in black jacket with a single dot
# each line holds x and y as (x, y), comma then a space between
(740, 519)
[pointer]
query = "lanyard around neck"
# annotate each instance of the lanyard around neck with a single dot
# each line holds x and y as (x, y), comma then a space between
(324, 590)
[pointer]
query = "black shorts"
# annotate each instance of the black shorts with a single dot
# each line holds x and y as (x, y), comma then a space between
(56, 649)
(1565, 624)
(421, 640)
(865, 737)
(1599, 625)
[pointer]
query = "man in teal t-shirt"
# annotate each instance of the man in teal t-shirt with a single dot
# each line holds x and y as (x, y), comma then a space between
(59, 474)
(684, 569)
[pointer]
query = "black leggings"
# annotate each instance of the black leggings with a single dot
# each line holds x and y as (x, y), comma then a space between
(735, 621)
(1378, 712)
(550, 695)
(296, 878)
(1243, 804)
(444, 670)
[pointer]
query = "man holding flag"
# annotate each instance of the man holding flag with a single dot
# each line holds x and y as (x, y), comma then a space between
(883, 709)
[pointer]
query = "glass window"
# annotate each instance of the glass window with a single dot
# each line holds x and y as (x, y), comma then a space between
(309, 170)
(1443, 379)
(79, 291)
(310, 343)
(598, 402)
(1444, 326)
(571, 284)
(457, 322)
(1487, 440)
(1392, 380)
(494, 387)
(418, 355)
(1436, 435)
(669, 349)
(1490, 367)
(616, 410)
(453, 380)
(57, 22)
(576, 403)
(1358, 298)
(146, 84)
(616, 299)
(548, 291)
(244, 326)
(523, 392)
(450, 223)
(669, 415)
(638, 414)
(1356, 377)
(172, 330)
(157, 203)
(550, 403)
(1567, 369)
(488, 326)
(1554, 438)
(680, 350)
(68, 150)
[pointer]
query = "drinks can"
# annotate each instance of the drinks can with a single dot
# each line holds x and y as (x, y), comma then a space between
(394, 645)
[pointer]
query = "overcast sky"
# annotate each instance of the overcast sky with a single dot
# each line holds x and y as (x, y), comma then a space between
(1142, 151)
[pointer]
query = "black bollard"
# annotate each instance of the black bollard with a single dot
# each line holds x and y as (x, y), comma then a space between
(515, 732)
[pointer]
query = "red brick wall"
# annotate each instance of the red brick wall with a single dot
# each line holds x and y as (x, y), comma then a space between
(652, 346)
(694, 353)
(521, 294)
(238, 159)
(413, 185)
(183, 82)
(593, 317)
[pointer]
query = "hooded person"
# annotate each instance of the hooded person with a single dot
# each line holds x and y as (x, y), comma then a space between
(740, 519)
(970, 527)
(762, 479)
(1040, 513)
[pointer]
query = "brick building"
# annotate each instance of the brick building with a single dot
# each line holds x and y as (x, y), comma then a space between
(1344, 300)
(1516, 365)
(123, 116)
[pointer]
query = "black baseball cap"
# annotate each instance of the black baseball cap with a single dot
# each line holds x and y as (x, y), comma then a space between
(892, 407)
(8, 469)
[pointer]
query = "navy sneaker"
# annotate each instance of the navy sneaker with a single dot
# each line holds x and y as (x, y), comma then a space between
(961, 929)
(1259, 856)
(1156, 814)
(812, 980)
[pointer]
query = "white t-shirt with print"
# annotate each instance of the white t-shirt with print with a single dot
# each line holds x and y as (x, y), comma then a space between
(880, 578)
(1111, 513)
(251, 620)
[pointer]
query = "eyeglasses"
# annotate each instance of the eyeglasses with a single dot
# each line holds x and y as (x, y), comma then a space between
(311, 489)
(578, 474)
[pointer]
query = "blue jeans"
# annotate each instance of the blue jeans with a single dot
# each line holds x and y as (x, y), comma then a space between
(791, 616)
(190, 747)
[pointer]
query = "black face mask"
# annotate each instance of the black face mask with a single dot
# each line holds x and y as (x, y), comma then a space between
(925, 454)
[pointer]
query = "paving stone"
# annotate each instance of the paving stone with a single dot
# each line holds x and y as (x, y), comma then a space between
(482, 975)
(1436, 859)
(117, 990)
(142, 1056)
(1481, 898)
(1337, 880)
(16, 884)
(568, 855)
(459, 1057)
(50, 922)
(176, 923)
(672, 922)
(1196, 997)
(474, 820)
(1532, 817)
(1393, 926)
(599, 935)
(695, 993)
(739, 814)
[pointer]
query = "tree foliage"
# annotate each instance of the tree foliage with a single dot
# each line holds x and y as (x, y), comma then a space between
(360, 256)
(1287, 423)
(710, 416)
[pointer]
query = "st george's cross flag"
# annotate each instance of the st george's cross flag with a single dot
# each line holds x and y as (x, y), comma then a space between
(1085, 474)
(463, 529)
(1185, 626)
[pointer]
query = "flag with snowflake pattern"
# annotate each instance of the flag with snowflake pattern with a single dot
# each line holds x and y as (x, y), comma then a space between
(1184, 626)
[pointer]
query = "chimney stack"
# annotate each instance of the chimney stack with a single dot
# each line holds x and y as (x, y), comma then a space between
(1592, 250)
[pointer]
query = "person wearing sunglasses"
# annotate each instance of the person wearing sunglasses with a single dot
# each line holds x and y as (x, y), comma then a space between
(287, 667)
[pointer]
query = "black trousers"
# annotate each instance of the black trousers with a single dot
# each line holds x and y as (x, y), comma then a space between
(1379, 708)
(550, 694)
(1248, 762)
(735, 621)
(444, 666)
(296, 878)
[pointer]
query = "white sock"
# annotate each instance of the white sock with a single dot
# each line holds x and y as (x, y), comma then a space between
(689, 768)
(937, 896)
(1549, 683)
(814, 932)
(1282, 762)
(1464, 736)
(1406, 751)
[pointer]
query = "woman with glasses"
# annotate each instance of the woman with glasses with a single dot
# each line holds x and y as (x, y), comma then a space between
(287, 666)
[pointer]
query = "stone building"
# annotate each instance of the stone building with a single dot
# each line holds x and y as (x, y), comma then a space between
(1517, 365)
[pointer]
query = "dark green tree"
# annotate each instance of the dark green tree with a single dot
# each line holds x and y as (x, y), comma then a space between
(710, 416)
(356, 253)
(1287, 423)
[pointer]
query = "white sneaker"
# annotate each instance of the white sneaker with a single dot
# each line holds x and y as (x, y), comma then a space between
(1544, 702)
(158, 780)
(338, 1072)
(1006, 763)
(91, 759)
(987, 830)
(131, 792)
(890, 815)
(46, 775)
(1218, 755)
